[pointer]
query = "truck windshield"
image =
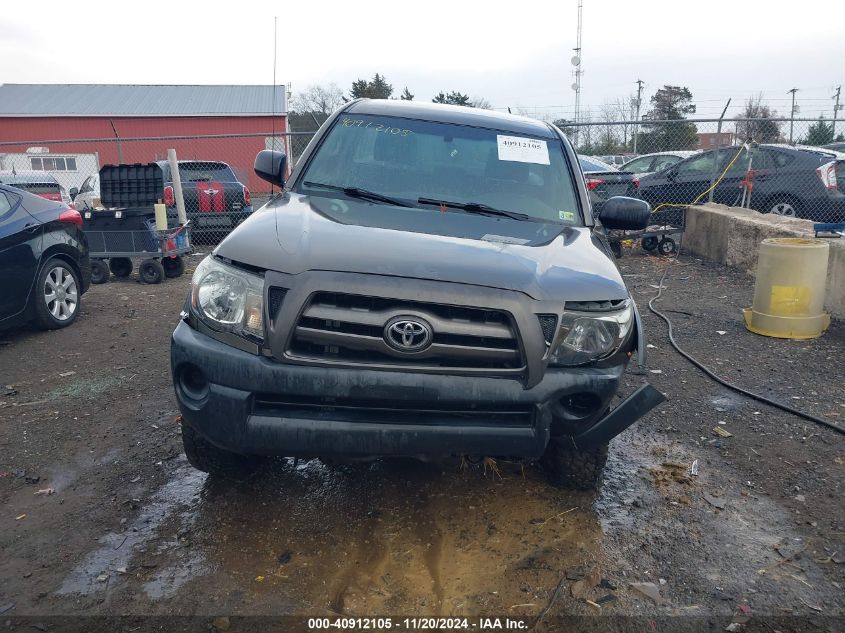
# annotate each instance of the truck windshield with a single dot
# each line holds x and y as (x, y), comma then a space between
(423, 163)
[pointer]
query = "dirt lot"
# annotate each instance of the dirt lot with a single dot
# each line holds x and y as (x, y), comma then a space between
(131, 529)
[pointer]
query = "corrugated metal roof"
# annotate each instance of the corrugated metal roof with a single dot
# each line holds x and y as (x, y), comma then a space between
(138, 100)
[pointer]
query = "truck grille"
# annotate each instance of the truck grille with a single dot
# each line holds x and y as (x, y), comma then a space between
(346, 328)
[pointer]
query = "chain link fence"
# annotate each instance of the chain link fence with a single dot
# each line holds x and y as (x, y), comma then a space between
(219, 185)
(790, 167)
(786, 170)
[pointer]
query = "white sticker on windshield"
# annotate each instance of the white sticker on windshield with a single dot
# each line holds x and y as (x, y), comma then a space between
(522, 150)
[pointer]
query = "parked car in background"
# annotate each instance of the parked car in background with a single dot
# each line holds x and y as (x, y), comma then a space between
(617, 160)
(796, 181)
(605, 181)
(36, 182)
(44, 263)
(215, 200)
(650, 163)
(839, 147)
(431, 281)
(84, 198)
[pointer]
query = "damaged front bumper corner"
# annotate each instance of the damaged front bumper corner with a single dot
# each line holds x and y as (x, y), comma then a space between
(629, 411)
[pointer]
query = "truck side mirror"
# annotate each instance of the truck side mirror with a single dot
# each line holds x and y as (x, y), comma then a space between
(74, 191)
(627, 214)
(271, 166)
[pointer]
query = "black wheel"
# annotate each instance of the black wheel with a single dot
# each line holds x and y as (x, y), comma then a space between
(120, 267)
(58, 295)
(206, 457)
(151, 271)
(667, 246)
(568, 467)
(616, 249)
(99, 271)
(173, 266)
(649, 243)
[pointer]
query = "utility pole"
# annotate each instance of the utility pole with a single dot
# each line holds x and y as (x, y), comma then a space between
(718, 145)
(576, 61)
(836, 110)
(640, 83)
(792, 113)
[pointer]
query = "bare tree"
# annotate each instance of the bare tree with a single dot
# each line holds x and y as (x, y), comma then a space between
(481, 102)
(321, 100)
(607, 142)
(625, 110)
(763, 129)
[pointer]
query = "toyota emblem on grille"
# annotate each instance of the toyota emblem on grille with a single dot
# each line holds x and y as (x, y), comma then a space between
(407, 334)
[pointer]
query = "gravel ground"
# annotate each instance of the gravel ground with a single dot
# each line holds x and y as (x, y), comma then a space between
(756, 538)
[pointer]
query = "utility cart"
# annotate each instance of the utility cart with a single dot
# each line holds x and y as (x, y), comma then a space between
(117, 236)
(125, 229)
(665, 225)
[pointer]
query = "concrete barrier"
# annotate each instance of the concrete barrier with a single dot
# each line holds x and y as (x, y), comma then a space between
(732, 236)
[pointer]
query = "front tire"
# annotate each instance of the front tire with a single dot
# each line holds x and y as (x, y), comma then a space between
(206, 457)
(571, 468)
(58, 295)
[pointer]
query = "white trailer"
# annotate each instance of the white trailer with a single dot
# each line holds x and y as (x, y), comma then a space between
(69, 169)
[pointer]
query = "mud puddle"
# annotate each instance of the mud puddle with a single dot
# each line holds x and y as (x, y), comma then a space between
(393, 536)
(106, 565)
(400, 536)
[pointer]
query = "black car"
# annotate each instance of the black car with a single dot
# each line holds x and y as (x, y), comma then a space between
(38, 182)
(44, 264)
(431, 281)
(804, 182)
(215, 200)
(605, 181)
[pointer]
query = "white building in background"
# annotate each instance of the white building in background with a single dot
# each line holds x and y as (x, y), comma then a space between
(69, 169)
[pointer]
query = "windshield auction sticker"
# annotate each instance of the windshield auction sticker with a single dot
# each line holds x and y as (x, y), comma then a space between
(522, 150)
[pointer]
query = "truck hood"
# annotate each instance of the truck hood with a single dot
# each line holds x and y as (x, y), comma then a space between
(295, 234)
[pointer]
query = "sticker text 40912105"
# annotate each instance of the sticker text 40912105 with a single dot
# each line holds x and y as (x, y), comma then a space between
(375, 127)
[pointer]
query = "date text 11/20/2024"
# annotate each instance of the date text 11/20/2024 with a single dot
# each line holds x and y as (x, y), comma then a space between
(418, 624)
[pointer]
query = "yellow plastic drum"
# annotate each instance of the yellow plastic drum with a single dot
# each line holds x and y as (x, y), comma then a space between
(789, 290)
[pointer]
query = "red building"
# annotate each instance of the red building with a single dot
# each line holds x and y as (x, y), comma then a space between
(712, 140)
(138, 124)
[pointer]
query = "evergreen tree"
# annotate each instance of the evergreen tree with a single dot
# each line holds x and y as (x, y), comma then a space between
(820, 133)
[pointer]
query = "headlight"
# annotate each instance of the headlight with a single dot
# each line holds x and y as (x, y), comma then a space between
(585, 337)
(228, 299)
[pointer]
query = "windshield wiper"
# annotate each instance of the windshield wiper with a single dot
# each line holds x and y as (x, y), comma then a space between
(357, 192)
(482, 209)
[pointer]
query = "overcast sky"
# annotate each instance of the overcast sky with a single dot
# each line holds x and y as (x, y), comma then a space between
(513, 54)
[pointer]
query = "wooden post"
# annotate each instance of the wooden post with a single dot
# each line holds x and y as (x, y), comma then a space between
(177, 187)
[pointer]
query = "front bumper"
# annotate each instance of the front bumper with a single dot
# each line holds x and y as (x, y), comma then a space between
(251, 404)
